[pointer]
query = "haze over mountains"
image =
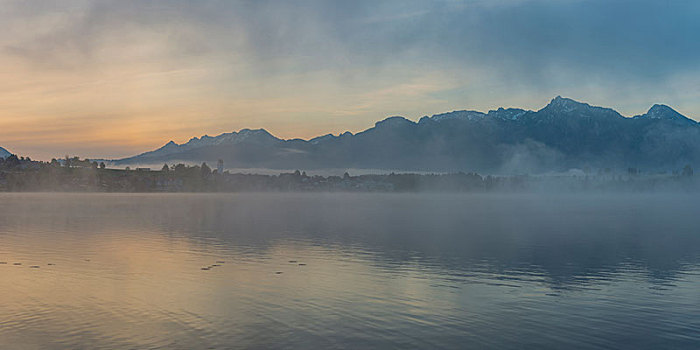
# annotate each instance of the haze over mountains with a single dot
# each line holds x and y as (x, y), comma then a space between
(563, 135)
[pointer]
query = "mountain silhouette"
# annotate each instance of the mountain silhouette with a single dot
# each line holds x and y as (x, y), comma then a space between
(563, 135)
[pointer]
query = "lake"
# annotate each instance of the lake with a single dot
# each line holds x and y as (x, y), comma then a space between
(358, 271)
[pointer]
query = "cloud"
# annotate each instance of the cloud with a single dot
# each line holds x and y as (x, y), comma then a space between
(526, 41)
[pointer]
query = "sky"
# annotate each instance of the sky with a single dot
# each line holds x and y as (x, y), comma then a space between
(108, 79)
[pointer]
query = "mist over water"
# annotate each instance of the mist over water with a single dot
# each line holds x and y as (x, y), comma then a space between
(349, 271)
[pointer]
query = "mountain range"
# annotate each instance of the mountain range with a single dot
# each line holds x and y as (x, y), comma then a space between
(563, 135)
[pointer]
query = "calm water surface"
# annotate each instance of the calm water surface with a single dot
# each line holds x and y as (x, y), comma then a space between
(107, 271)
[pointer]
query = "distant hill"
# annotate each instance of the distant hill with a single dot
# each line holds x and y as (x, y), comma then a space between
(4, 153)
(563, 135)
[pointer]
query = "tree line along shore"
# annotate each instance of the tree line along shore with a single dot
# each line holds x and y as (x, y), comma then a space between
(20, 174)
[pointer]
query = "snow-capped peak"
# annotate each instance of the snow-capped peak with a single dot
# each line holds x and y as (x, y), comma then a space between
(4, 153)
(455, 115)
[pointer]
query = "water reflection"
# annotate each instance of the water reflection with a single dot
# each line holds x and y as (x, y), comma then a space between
(309, 271)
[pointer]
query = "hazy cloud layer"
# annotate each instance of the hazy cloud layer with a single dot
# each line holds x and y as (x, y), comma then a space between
(115, 77)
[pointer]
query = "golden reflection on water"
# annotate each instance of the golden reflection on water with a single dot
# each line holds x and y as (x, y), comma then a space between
(378, 271)
(134, 286)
